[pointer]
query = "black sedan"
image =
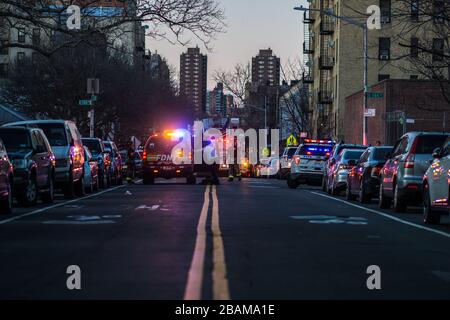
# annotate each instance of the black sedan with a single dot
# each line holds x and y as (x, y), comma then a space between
(364, 178)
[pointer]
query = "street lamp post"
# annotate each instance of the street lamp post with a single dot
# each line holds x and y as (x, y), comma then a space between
(366, 59)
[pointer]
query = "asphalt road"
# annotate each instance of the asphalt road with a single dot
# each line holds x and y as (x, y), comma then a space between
(255, 239)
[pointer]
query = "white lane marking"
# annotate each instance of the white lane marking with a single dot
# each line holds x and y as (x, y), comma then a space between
(418, 226)
(65, 222)
(128, 193)
(56, 206)
(194, 284)
(144, 207)
(221, 289)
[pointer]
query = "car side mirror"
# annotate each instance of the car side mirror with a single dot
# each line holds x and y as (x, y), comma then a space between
(437, 153)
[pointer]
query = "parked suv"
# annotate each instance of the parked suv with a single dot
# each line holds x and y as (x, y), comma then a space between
(33, 162)
(98, 152)
(308, 162)
(285, 161)
(6, 181)
(337, 178)
(331, 160)
(115, 168)
(402, 175)
(65, 141)
(436, 186)
(364, 179)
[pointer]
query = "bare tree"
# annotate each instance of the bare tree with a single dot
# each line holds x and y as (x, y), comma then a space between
(235, 81)
(175, 20)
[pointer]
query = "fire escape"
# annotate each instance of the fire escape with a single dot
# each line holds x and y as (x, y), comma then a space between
(326, 64)
(308, 47)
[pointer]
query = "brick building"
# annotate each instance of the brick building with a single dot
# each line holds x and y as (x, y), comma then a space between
(405, 105)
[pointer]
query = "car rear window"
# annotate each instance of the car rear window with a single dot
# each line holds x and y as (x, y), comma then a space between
(94, 146)
(381, 153)
(315, 150)
(161, 146)
(55, 132)
(16, 140)
(291, 152)
(353, 155)
(427, 143)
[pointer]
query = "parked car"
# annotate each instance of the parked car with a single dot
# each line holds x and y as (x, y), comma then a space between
(65, 141)
(402, 175)
(308, 162)
(33, 162)
(98, 152)
(137, 161)
(285, 161)
(115, 168)
(91, 179)
(271, 169)
(364, 178)
(337, 178)
(6, 181)
(436, 186)
(331, 160)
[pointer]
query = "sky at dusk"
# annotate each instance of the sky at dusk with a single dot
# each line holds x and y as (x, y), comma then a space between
(251, 25)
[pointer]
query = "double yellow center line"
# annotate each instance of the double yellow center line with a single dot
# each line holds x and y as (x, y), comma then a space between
(194, 285)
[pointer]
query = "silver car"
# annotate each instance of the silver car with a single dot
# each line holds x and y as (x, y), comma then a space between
(436, 183)
(337, 178)
(402, 175)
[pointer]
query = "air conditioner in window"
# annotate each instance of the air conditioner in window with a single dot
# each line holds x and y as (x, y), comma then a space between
(385, 19)
(384, 57)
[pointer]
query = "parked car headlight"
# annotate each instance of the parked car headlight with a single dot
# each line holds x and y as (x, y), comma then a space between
(19, 163)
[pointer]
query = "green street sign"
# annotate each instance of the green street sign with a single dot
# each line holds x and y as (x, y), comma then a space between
(375, 95)
(94, 98)
(85, 103)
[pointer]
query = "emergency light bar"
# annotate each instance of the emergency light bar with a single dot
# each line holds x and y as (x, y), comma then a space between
(318, 141)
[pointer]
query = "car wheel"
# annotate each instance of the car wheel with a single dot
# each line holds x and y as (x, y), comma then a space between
(292, 184)
(348, 193)
(96, 183)
(147, 180)
(191, 180)
(69, 188)
(324, 184)
(79, 186)
(430, 215)
(384, 202)
(399, 203)
(49, 196)
(363, 196)
(7, 203)
(29, 196)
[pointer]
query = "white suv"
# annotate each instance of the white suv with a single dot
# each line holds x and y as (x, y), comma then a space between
(436, 186)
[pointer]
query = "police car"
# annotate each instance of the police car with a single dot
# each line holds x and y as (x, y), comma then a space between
(308, 162)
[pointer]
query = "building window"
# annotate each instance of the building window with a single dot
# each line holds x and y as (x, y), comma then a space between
(4, 50)
(414, 47)
(3, 70)
(438, 11)
(36, 36)
(415, 10)
(385, 49)
(438, 49)
(382, 77)
(20, 57)
(385, 6)
(21, 35)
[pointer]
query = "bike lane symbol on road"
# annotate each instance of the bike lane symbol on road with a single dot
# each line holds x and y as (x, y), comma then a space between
(324, 219)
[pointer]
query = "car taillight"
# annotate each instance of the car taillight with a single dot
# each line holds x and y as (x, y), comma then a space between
(297, 159)
(411, 156)
(144, 155)
(376, 171)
